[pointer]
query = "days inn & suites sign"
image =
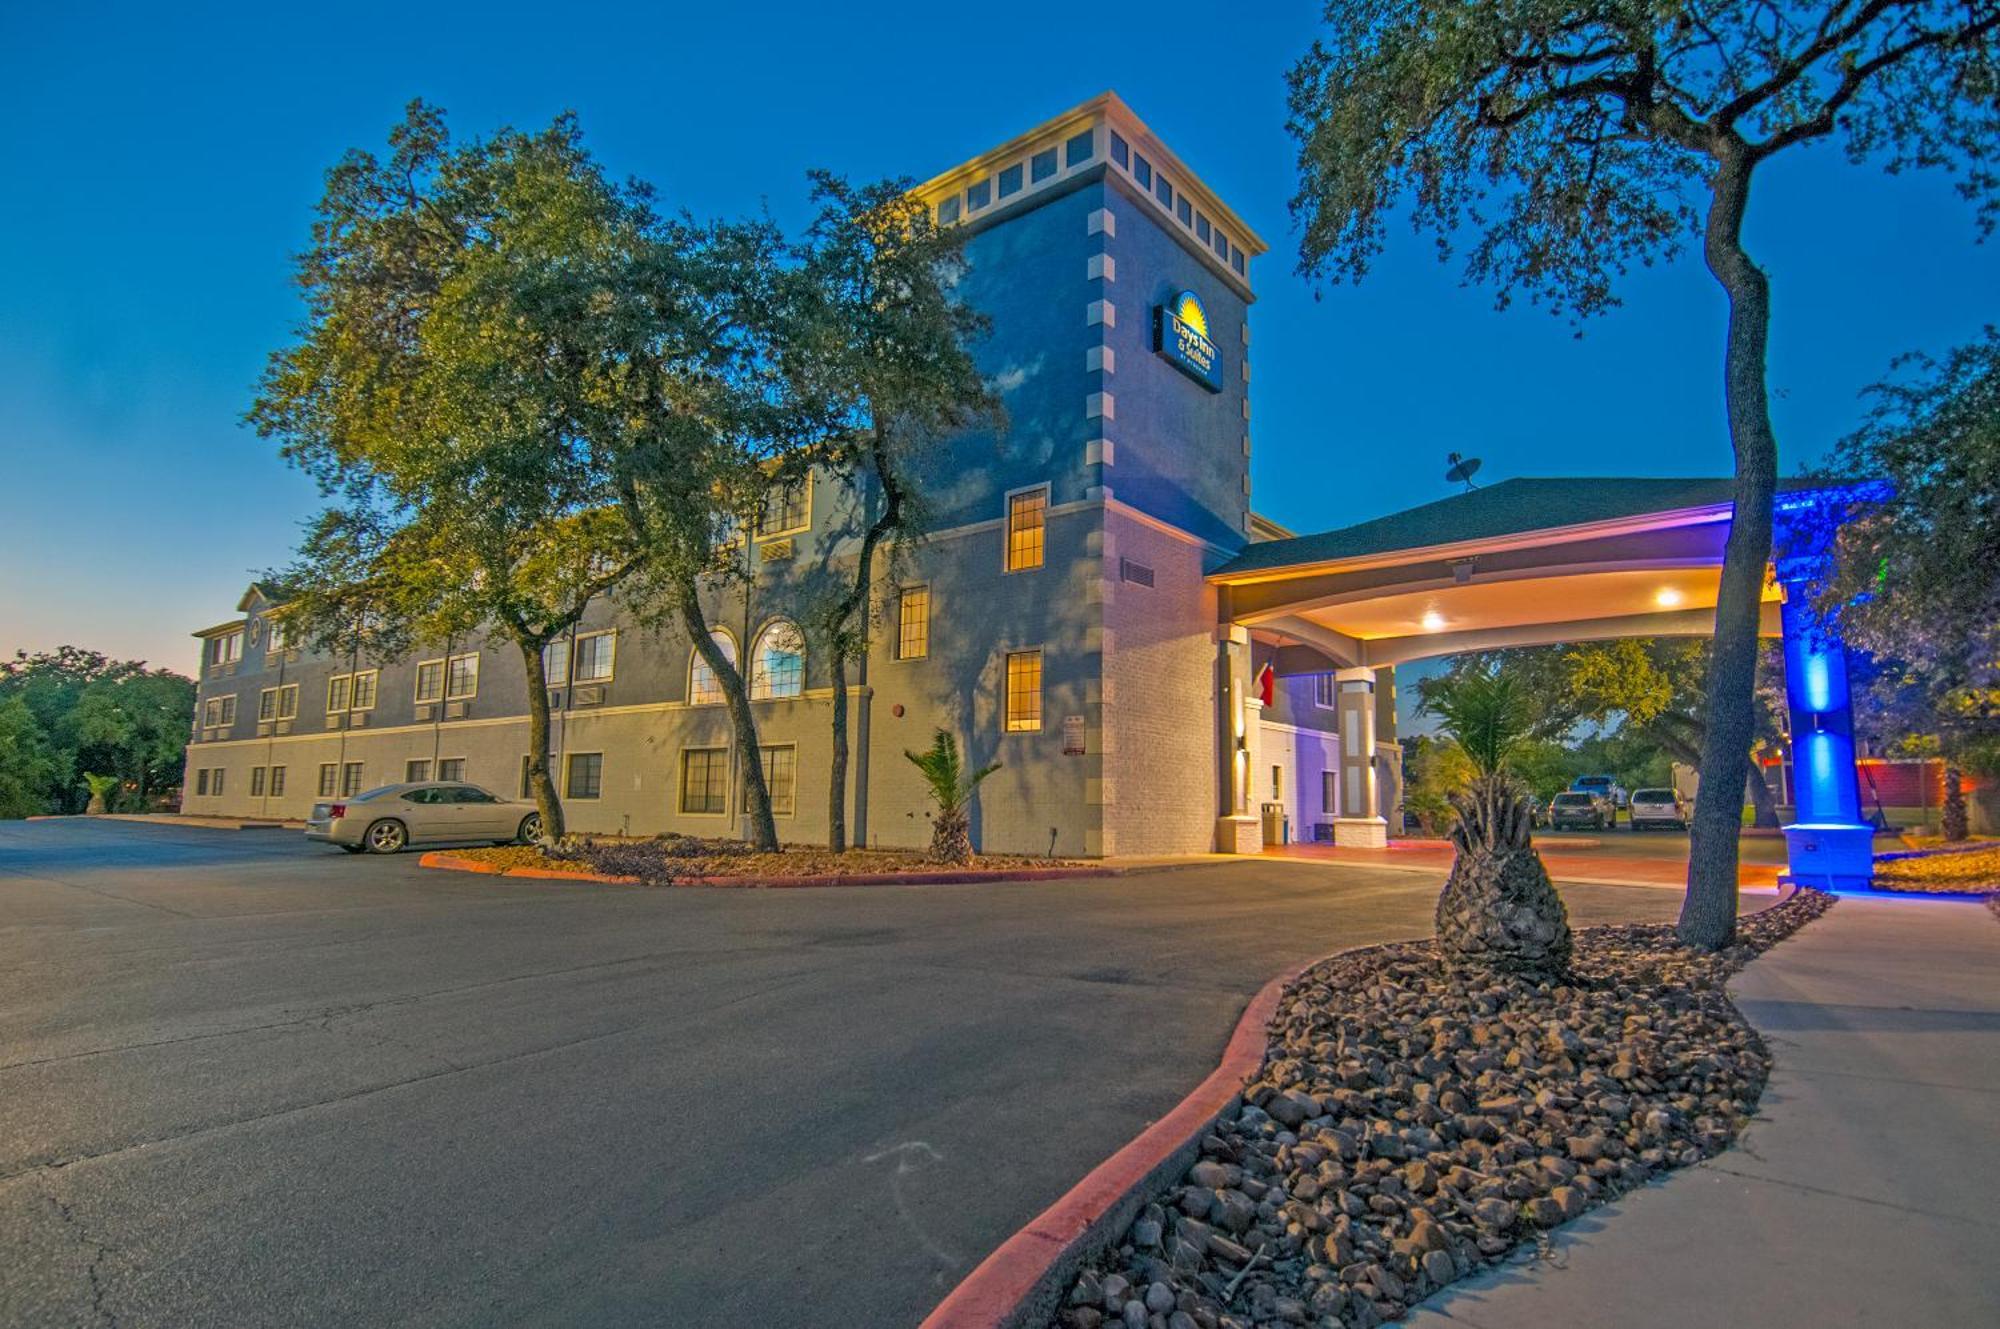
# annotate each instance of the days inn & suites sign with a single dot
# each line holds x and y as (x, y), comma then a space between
(1180, 335)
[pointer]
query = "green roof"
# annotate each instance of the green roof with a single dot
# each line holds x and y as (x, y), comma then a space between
(1508, 508)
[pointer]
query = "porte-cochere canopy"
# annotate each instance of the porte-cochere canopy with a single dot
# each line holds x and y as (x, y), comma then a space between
(1538, 561)
(1524, 562)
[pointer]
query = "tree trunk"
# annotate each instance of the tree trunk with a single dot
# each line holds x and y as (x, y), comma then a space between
(1766, 804)
(853, 602)
(756, 794)
(1708, 913)
(1952, 821)
(836, 780)
(540, 784)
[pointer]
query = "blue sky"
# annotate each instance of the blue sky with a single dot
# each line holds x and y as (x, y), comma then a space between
(161, 164)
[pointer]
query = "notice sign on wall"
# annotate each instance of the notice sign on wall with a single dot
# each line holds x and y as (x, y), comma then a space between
(1072, 736)
(1180, 335)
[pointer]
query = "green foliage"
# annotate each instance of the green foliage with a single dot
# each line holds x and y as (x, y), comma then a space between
(879, 341)
(1567, 142)
(1433, 771)
(90, 712)
(1485, 712)
(951, 785)
(1913, 581)
(26, 767)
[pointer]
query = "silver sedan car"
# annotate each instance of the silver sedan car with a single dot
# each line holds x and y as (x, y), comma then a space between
(388, 819)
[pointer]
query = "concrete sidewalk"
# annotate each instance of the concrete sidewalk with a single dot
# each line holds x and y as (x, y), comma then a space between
(1864, 1193)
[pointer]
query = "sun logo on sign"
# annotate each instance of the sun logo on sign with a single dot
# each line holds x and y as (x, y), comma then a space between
(1189, 311)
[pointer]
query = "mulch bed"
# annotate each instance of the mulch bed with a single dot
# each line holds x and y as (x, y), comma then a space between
(1411, 1126)
(1952, 869)
(679, 858)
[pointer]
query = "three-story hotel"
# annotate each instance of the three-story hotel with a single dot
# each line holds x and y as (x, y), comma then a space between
(1061, 619)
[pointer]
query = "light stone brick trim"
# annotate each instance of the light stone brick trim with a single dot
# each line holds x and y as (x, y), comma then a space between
(1100, 360)
(1101, 312)
(1099, 452)
(1100, 405)
(1100, 267)
(1102, 221)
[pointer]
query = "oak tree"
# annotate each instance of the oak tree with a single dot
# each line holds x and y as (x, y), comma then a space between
(1565, 142)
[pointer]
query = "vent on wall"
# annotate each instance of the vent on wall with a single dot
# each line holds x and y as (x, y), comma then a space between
(1136, 573)
(590, 696)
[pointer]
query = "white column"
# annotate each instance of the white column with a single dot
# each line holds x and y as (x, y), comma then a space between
(1237, 830)
(1358, 825)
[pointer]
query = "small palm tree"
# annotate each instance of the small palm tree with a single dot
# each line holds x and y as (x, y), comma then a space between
(951, 789)
(101, 789)
(1498, 909)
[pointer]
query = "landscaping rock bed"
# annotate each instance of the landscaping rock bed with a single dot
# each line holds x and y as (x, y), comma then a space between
(678, 858)
(1410, 1126)
(1949, 869)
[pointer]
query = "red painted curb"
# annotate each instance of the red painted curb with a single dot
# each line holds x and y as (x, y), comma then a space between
(993, 1295)
(454, 863)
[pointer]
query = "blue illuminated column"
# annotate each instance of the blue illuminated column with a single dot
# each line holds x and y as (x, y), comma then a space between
(1828, 843)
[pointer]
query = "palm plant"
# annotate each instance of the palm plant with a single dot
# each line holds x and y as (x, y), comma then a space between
(1498, 909)
(951, 789)
(101, 789)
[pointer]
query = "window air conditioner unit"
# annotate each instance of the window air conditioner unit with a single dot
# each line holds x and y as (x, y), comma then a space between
(775, 551)
(592, 696)
(358, 718)
(425, 711)
(333, 721)
(284, 726)
(455, 710)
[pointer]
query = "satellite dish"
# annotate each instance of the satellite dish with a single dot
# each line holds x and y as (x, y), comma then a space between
(1461, 470)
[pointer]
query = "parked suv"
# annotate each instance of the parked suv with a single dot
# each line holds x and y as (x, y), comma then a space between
(1658, 807)
(1604, 787)
(385, 820)
(1573, 809)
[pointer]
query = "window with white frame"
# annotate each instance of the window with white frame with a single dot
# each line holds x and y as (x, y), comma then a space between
(461, 677)
(586, 775)
(279, 703)
(913, 623)
(1027, 521)
(275, 636)
(595, 656)
(219, 712)
(787, 510)
(225, 649)
(339, 693)
(430, 681)
(1023, 708)
(1325, 694)
(364, 689)
(277, 782)
(705, 781)
(555, 662)
(704, 688)
(416, 769)
(452, 768)
(781, 777)
(329, 777)
(778, 665)
(350, 779)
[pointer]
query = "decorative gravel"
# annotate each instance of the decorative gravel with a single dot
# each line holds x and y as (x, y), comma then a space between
(678, 858)
(1961, 869)
(1410, 1127)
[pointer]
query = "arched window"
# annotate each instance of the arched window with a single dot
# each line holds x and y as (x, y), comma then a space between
(778, 665)
(704, 689)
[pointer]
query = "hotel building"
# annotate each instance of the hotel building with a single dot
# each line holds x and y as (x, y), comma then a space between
(1061, 618)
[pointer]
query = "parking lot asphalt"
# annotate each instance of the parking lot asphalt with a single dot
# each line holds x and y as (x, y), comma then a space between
(249, 1081)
